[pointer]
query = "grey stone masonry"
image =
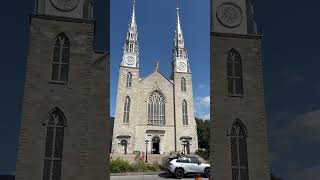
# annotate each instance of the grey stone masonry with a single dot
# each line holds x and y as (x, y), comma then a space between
(249, 108)
(83, 100)
(138, 129)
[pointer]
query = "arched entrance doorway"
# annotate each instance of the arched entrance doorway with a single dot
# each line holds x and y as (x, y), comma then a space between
(155, 145)
(124, 144)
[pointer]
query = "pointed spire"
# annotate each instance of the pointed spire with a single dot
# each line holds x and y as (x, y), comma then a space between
(133, 17)
(179, 31)
(131, 47)
(180, 54)
(179, 41)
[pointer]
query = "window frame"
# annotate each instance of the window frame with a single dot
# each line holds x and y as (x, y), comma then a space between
(239, 152)
(156, 109)
(234, 77)
(185, 121)
(183, 84)
(129, 80)
(61, 58)
(126, 110)
(53, 153)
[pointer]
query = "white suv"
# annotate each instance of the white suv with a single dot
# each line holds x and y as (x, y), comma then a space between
(187, 165)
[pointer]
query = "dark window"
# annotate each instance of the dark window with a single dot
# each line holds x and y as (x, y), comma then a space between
(183, 160)
(126, 113)
(194, 160)
(124, 144)
(184, 112)
(234, 73)
(61, 56)
(156, 109)
(129, 80)
(183, 84)
(54, 145)
(239, 154)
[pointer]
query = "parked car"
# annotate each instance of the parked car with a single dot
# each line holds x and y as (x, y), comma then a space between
(181, 166)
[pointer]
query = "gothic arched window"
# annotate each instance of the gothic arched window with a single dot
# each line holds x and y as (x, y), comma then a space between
(183, 84)
(129, 80)
(184, 112)
(234, 73)
(239, 154)
(156, 109)
(61, 56)
(126, 111)
(54, 145)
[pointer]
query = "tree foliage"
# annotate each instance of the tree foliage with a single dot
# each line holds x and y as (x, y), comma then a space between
(203, 129)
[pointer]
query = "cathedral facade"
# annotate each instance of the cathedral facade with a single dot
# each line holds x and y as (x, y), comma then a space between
(154, 113)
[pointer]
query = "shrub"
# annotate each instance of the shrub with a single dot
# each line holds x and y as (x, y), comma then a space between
(204, 153)
(120, 166)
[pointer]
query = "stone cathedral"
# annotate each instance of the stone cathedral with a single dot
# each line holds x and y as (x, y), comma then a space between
(63, 133)
(239, 146)
(154, 109)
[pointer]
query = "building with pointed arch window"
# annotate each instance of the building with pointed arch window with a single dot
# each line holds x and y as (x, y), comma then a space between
(161, 108)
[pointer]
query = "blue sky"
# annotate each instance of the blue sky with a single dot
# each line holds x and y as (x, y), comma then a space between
(156, 22)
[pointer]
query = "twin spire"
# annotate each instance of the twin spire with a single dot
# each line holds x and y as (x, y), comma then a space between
(131, 44)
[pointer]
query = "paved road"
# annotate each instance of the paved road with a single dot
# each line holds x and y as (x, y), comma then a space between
(149, 177)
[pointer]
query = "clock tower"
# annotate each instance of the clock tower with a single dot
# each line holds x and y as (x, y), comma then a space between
(180, 56)
(130, 57)
(64, 128)
(239, 145)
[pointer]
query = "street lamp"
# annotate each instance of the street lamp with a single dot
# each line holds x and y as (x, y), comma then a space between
(146, 141)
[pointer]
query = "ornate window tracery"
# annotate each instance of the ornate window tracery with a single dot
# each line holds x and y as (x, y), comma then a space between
(234, 73)
(61, 56)
(239, 154)
(54, 145)
(156, 109)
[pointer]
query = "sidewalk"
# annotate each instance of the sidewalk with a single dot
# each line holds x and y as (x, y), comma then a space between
(136, 173)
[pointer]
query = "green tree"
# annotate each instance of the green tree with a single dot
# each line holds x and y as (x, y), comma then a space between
(203, 129)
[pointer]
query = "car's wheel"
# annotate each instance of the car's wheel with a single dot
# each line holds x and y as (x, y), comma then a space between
(207, 172)
(179, 173)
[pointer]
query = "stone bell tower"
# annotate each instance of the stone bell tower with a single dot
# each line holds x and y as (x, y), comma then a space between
(239, 146)
(63, 133)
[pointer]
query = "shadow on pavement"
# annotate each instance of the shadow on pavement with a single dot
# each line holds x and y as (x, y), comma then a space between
(167, 176)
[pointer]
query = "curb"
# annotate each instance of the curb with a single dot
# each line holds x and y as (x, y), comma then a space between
(136, 173)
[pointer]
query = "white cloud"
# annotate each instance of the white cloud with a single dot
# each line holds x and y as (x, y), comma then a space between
(205, 116)
(306, 127)
(202, 107)
(203, 101)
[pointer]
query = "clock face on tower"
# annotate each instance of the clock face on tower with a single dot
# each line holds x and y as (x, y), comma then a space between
(229, 15)
(65, 5)
(181, 66)
(130, 60)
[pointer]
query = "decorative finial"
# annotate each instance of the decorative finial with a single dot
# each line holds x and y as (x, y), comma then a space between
(157, 65)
